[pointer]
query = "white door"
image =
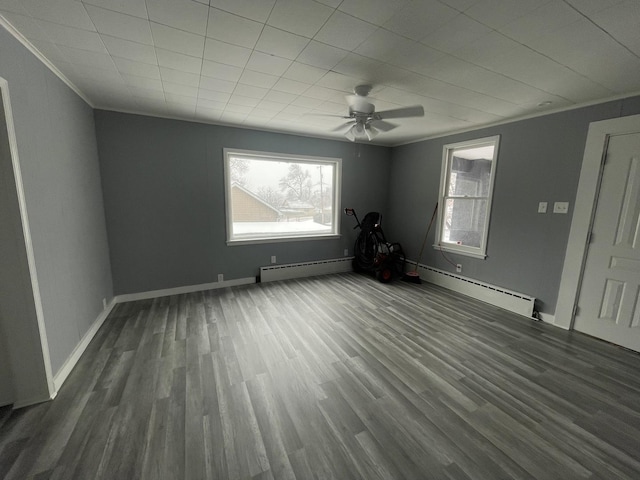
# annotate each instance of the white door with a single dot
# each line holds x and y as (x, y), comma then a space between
(609, 301)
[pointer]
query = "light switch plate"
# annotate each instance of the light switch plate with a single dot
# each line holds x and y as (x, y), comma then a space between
(561, 207)
(542, 207)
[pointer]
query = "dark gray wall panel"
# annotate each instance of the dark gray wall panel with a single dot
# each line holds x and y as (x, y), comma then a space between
(164, 199)
(57, 147)
(539, 161)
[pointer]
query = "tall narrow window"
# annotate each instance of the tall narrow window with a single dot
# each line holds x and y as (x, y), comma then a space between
(466, 188)
(277, 197)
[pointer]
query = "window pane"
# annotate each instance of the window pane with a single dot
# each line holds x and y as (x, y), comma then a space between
(470, 177)
(464, 221)
(275, 198)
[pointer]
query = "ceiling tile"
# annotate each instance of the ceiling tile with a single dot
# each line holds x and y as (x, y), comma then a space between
(13, 6)
(258, 79)
(419, 18)
(280, 97)
(226, 53)
(211, 104)
(271, 106)
(65, 12)
(324, 93)
(306, 102)
(137, 8)
(217, 85)
(624, 20)
(304, 73)
(377, 12)
(179, 89)
(417, 58)
(281, 43)
(486, 48)
(85, 57)
(302, 17)
(542, 21)
(177, 76)
(145, 93)
(456, 34)
(221, 71)
(245, 101)
(232, 28)
(176, 40)
(589, 7)
(30, 27)
(143, 82)
(205, 96)
(320, 55)
(73, 37)
(138, 52)
(178, 61)
(344, 31)
(232, 107)
(119, 25)
(261, 62)
(180, 99)
(381, 45)
(498, 13)
(290, 86)
(137, 68)
(252, 9)
(250, 91)
(338, 81)
(53, 54)
(181, 14)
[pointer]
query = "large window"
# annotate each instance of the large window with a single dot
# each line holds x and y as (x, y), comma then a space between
(466, 188)
(277, 197)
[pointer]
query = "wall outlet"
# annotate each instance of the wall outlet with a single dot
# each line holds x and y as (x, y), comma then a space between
(561, 207)
(459, 268)
(104, 303)
(273, 259)
(346, 252)
(220, 277)
(542, 207)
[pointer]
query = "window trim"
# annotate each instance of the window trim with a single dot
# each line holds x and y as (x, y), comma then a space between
(476, 252)
(337, 189)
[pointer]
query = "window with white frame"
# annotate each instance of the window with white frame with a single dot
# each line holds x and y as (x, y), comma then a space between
(274, 197)
(466, 189)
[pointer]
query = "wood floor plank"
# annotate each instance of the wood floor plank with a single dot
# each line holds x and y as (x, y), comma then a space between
(335, 377)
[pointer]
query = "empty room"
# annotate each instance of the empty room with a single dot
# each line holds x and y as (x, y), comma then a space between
(319, 239)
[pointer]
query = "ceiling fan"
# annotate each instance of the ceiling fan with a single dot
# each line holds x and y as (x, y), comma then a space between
(364, 121)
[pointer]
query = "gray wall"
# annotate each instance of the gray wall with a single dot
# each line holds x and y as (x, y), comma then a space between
(164, 199)
(539, 160)
(22, 368)
(57, 147)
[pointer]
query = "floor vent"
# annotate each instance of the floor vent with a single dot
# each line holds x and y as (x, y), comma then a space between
(498, 296)
(305, 269)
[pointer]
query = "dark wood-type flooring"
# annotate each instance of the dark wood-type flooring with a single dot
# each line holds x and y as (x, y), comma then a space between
(332, 377)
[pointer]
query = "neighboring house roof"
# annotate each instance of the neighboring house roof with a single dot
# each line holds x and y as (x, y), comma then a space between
(256, 197)
(298, 205)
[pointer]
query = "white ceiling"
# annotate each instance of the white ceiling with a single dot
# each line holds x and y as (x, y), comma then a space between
(272, 64)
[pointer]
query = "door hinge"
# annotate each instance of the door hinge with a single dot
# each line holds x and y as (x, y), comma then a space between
(575, 311)
(590, 238)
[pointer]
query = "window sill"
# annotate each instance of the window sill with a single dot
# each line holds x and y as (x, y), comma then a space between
(256, 241)
(459, 251)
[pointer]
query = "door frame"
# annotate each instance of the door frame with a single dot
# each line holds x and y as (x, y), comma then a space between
(35, 287)
(584, 212)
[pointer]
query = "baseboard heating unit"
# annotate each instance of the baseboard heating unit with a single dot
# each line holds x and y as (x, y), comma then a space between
(485, 292)
(305, 269)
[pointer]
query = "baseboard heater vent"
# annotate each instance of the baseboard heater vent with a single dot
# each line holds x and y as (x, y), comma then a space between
(305, 269)
(498, 296)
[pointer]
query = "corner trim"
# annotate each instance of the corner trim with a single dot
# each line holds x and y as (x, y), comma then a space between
(73, 359)
(130, 297)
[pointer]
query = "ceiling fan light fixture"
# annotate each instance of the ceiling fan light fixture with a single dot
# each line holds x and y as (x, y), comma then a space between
(350, 134)
(371, 132)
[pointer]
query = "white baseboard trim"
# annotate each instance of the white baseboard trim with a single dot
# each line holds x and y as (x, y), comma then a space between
(130, 297)
(515, 302)
(71, 362)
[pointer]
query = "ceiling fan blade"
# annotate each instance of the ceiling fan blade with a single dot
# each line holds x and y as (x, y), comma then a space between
(382, 125)
(343, 126)
(403, 112)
